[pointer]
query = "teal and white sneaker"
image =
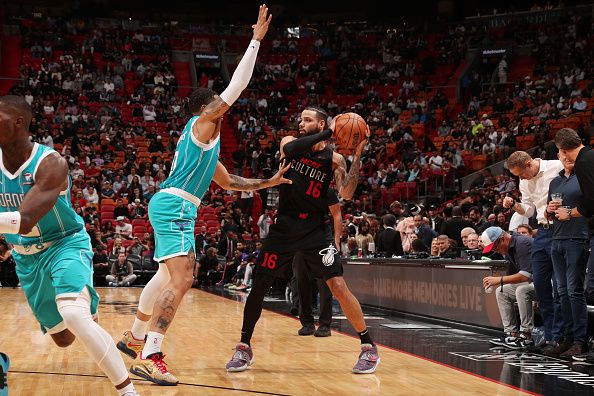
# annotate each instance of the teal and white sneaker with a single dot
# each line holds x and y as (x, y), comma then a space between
(4, 364)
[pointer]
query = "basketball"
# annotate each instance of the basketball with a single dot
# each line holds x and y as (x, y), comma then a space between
(349, 130)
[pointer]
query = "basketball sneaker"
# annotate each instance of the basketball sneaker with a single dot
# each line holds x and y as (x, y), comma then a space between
(242, 358)
(368, 360)
(503, 340)
(153, 368)
(129, 345)
(4, 364)
(524, 341)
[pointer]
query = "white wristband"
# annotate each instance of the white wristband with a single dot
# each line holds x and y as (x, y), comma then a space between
(10, 222)
(242, 75)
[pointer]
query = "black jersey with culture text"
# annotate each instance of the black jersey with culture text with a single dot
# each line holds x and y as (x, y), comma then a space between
(311, 174)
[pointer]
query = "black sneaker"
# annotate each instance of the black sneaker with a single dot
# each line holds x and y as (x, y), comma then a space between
(524, 341)
(307, 330)
(559, 349)
(576, 349)
(323, 331)
(504, 339)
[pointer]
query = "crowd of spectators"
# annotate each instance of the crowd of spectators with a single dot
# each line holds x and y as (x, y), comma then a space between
(107, 100)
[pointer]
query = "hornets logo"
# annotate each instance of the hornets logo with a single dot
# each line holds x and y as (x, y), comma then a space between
(328, 255)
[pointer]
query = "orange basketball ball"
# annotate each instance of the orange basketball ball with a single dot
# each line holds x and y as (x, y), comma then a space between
(349, 130)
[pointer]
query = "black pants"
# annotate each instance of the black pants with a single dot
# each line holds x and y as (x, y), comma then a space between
(305, 289)
(8, 275)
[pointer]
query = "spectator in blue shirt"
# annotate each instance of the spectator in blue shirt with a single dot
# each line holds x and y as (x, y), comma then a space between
(569, 252)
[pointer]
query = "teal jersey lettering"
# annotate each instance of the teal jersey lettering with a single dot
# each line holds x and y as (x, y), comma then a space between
(59, 222)
(193, 164)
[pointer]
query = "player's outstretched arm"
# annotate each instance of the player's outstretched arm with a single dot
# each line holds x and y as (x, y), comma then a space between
(51, 179)
(346, 183)
(206, 125)
(238, 183)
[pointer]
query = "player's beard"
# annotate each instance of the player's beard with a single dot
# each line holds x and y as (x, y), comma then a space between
(317, 130)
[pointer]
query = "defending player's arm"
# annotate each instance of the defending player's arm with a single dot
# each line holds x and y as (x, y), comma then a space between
(50, 180)
(233, 182)
(205, 127)
(346, 182)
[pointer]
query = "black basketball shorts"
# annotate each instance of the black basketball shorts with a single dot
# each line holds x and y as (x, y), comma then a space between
(312, 238)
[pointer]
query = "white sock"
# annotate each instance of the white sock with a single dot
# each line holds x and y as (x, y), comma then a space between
(153, 343)
(126, 389)
(139, 328)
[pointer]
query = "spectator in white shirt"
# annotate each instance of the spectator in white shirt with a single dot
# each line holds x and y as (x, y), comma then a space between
(489, 147)
(76, 172)
(535, 176)
(486, 121)
(436, 161)
(47, 140)
(91, 195)
(108, 85)
(264, 223)
(148, 113)
(123, 228)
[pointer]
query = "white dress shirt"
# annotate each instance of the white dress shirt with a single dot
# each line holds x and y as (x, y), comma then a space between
(536, 190)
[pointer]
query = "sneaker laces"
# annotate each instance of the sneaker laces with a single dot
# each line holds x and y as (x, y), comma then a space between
(368, 354)
(158, 360)
(241, 353)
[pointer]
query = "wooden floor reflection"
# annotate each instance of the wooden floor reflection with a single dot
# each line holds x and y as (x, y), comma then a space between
(199, 343)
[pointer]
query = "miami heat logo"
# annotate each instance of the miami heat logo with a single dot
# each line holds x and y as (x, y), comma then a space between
(328, 255)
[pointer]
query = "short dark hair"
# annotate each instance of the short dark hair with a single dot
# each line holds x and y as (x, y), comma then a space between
(320, 113)
(567, 139)
(389, 220)
(20, 105)
(198, 98)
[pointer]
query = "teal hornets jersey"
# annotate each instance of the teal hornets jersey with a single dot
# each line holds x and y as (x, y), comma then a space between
(193, 164)
(59, 222)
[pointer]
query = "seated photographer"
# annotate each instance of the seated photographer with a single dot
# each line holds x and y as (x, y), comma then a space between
(122, 272)
(206, 271)
(101, 267)
(516, 286)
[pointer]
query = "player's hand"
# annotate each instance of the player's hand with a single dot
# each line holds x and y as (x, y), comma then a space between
(278, 177)
(361, 147)
(261, 26)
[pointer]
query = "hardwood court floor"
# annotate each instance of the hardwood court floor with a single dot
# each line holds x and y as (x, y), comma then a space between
(199, 343)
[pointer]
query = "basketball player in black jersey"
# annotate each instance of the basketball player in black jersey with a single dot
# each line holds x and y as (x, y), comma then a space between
(299, 227)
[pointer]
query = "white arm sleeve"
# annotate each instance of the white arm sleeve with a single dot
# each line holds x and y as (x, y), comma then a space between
(242, 75)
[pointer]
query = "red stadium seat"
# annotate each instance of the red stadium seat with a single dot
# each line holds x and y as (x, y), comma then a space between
(138, 222)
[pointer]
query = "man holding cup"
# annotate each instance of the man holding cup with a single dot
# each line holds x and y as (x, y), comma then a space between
(516, 286)
(569, 252)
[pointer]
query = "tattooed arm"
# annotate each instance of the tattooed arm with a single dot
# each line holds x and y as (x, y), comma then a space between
(346, 183)
(238, 183)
